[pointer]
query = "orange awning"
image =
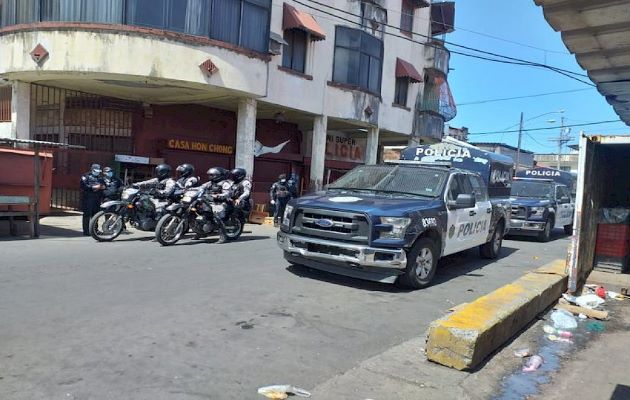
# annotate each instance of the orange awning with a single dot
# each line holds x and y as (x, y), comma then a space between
(406, 70)
(295, 19)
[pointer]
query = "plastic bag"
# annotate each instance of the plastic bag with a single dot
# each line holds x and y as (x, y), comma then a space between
(589, 301)
(282, 391)
(533, 364)
(563, 320)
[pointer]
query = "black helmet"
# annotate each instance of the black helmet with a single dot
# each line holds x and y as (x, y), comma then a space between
(163, 171)
(217, 174)
(185, 170)
(238, 174)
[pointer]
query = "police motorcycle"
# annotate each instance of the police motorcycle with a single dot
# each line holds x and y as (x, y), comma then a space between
(179, 217)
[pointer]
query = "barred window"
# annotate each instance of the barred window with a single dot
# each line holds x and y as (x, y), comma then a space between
(5, 103)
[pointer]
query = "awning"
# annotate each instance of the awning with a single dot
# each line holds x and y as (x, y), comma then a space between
(295, 19)
(406, 70)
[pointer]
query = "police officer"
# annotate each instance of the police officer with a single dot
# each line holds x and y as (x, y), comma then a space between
(241, 191)
(163, 184)
(92, 186)
(280, 193)
(113, 185)
(186, 177)
(220, 188)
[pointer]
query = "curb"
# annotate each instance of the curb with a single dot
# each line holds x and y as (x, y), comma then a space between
(465, 338)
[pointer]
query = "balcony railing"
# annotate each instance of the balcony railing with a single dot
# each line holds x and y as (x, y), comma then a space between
(437, 97)
(437, 56)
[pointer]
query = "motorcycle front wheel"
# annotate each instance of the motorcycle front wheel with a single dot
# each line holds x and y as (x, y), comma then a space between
(233, 228)
(105, 226)
(169, 229)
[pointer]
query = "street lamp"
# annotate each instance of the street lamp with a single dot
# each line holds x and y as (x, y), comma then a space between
(520, 131)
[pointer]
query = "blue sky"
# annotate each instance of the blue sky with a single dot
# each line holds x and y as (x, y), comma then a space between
(474, 80)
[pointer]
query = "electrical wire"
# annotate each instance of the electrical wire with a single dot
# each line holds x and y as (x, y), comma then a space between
(527, 62)
(520, 97)
(547, 128)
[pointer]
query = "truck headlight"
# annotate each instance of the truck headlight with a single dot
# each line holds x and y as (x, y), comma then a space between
(286, 219)
(399, 227)
(537, 210)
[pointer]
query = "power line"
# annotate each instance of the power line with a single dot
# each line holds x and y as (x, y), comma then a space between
(459, 28)
(547, 128)
(526, 62)
(520, 97)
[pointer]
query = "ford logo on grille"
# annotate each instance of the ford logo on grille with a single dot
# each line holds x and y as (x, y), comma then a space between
(324, 223)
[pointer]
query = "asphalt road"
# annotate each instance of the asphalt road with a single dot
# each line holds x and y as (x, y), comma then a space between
(133, 320)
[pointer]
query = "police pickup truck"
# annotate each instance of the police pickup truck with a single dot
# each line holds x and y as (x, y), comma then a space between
(392, 222)
(541, 201)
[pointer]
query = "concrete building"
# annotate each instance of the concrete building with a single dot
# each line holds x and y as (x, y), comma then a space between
(273, 86)
(460, 134)
(568, 162)
(526, 157)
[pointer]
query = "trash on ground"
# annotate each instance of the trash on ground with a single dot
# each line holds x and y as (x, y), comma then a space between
(553, 331)
(595, 326)
(589, 301)
(582, 310)
(601, 292)
(563, 319)
(282, 391)
(533, 363)
(582, 316)
(570, 298)
(614, 295)
(555, 338)
(522, 353)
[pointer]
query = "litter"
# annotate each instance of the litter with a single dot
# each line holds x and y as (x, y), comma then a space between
(563, 320)
(595, 326)
(533, 364)
(582, 316)
(522, 353)
(553, 331)
(280, 392)
(614, 295)
(601, 292)
(589, 301)
(555, 338)
(583, 310)
(570, 298)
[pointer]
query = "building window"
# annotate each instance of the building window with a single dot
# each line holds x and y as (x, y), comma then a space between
(242, 22)
(406, 17)
(402, 88)
(358, 59)
(5, 103)
(294, 54)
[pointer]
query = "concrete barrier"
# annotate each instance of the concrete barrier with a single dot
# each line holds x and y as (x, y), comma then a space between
(463, 339)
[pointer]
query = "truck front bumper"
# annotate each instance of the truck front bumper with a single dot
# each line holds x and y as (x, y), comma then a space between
(364, 262)
(523, 226)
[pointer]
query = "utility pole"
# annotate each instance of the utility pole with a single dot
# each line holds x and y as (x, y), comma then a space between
(564, 138)
(518, 149)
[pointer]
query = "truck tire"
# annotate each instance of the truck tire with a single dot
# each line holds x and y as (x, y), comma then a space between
(421, 265)
(568, 229)
(492, 249)
(545, 235)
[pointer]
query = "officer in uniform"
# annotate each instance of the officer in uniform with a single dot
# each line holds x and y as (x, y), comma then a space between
(113, 185)
(280, 193)
(92, 186)
(163, 184)
(186, 177)
(242, 191)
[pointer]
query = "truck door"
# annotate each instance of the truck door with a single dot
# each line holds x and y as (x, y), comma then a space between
(565, 207)
(461, 221)
(483, 206)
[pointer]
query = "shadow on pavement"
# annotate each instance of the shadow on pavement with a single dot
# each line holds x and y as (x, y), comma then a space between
(556, 234)
(449, 267)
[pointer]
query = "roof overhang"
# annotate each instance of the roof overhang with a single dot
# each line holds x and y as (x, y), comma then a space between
(598, 33)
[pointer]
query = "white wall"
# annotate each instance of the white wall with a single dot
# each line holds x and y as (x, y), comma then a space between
(5, 129)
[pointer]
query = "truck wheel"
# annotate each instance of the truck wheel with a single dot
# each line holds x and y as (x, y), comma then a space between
(568, 229)
(421, 265)
(545, 235)
(492, 249)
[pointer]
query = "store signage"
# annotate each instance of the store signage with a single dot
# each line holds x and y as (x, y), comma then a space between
(132, 159)
(345, 148)
(190, 145)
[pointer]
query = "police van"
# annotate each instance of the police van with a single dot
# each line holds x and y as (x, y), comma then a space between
(542, 201)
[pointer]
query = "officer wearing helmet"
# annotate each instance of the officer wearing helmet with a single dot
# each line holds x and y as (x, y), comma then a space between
(163, 184)
(219, 183)
(186, 177)
(113, 185)
(92, 186)
(242, 190)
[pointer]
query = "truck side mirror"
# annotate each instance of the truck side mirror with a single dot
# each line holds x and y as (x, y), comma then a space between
(565, 199)
(463, 201)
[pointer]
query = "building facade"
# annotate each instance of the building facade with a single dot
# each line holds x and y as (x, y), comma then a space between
(301, 87)
(526, 158)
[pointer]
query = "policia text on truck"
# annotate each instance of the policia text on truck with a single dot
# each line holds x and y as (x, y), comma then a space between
(391, 223)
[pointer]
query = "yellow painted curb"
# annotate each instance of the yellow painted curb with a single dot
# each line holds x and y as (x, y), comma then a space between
(466, 337)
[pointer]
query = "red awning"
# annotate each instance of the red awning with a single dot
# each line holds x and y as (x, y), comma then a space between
(406, 70)
(295, 19)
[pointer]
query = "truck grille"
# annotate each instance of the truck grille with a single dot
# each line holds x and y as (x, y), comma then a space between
(519, 212)
(330, 224)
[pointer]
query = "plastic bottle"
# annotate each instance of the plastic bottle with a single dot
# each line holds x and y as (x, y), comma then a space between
(553, 331)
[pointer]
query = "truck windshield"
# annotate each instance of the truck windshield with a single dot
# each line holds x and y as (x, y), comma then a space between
(395, 179)
(538, 190)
